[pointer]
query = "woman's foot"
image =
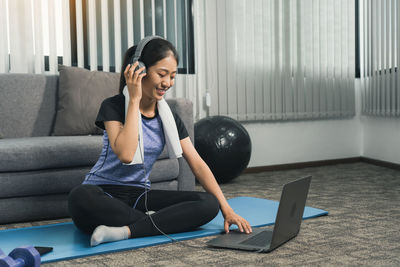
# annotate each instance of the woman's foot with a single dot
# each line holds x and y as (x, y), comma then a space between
(103, 234)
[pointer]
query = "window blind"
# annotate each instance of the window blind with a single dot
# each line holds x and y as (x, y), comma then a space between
(37, 35)
(380, 57)
(280, 60)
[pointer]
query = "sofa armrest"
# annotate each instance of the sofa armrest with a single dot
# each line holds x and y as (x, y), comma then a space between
(186, 180)
(184, 108)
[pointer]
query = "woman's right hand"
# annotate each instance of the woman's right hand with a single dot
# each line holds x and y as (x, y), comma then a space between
(134, 80)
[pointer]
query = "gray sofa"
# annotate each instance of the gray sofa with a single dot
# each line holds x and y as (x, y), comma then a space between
(38, 169)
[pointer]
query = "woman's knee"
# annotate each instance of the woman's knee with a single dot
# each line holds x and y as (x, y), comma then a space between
(210, 205)
(80, 205)
(81, 198)
(83, 192)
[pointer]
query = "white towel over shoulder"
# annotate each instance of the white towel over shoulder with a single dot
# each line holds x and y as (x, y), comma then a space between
(169, 126)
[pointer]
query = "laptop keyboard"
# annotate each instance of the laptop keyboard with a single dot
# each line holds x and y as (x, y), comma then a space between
(260, 239)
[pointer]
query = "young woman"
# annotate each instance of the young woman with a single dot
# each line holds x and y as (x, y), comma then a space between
(111, 203)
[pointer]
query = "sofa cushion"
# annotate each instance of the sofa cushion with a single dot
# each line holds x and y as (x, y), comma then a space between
(79, 98)
(167, 185)
(164, 170)
(36, 153)
(27, 104)
(62, 180)
(41, 182)
(29, 208)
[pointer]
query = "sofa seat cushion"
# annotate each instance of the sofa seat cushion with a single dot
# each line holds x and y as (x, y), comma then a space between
(41, 182)
(48, 152)
(30, 208)
(164, 170)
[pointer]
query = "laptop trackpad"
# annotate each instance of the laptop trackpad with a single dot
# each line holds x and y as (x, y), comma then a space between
(259, 240)
(238, 240)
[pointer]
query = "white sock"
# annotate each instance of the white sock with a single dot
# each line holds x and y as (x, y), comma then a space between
(104, 234)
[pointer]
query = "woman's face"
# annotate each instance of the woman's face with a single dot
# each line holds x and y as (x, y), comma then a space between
(160, 77)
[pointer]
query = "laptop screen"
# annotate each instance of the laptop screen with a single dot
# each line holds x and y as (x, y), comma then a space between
(290, 212)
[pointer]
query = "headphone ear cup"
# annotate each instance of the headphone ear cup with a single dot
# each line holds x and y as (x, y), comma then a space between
(140, 65)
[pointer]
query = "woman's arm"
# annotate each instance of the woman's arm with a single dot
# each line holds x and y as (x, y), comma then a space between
(207, 180)
(124, 137)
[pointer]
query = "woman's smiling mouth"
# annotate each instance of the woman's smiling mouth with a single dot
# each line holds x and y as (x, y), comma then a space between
(161, 91)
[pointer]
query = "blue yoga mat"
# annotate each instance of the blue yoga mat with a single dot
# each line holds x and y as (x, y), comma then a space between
(68, 242)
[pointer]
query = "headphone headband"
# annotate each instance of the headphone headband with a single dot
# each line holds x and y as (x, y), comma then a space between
(141, 46)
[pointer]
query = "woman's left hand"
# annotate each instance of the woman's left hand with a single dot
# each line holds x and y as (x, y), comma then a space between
(232, 218)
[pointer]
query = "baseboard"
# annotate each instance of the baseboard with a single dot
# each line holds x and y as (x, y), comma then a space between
(381, 163)
(300, 165)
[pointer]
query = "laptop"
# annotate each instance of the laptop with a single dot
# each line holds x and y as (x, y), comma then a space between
(287, 223)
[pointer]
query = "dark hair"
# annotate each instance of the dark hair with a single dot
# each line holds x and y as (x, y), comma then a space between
(154, 51)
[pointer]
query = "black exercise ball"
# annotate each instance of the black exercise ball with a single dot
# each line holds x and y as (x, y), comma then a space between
(224, 144)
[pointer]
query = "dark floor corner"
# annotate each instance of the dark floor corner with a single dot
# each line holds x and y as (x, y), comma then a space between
(362, 228)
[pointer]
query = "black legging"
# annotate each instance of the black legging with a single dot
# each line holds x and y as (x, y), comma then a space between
(175, 211)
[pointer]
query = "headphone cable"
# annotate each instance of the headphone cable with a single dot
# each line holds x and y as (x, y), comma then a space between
(146, 186)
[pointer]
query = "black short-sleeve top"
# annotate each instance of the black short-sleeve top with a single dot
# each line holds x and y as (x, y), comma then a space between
(113, 109)
(108, 168)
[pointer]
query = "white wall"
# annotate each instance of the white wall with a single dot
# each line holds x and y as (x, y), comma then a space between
(381, 138)
(275, 143)
(282, 143)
